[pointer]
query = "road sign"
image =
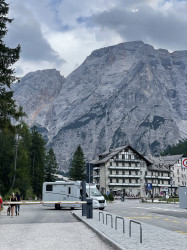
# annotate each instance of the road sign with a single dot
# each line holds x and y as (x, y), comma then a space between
(184, 162)
(149, 186)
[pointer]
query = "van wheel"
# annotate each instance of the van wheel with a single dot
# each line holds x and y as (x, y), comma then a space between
(57, 206)
(101, 208)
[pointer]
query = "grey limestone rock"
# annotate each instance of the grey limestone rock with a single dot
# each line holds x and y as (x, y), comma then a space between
(129, 93)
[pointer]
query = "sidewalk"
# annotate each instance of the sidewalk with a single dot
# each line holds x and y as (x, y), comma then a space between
(153, 237)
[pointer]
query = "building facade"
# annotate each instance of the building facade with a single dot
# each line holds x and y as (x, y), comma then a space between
(121, 171)
(125, 171)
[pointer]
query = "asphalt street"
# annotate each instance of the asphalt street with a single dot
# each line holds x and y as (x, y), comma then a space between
(39, 227)
(166, 216)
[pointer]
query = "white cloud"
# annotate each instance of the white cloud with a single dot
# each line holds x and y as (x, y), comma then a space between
(53, 31)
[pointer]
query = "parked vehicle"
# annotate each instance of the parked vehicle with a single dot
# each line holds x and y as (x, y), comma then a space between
(71, 191)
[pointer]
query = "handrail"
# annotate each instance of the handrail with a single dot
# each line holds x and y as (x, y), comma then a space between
(111, 219)
(103, 216)
(118, 217)
(140, 229)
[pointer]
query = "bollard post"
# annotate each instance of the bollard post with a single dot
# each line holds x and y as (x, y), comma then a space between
(83, 198)
(89, 209)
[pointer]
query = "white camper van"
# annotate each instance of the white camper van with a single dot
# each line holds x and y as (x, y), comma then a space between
(71, 191)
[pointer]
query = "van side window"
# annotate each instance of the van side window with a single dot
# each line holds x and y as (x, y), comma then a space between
(69, 190)
(49, 187)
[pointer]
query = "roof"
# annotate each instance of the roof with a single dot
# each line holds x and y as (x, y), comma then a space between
(166, 161)
(112, 152)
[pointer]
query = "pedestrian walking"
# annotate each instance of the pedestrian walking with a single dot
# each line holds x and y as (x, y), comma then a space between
(12, 198)
(18, 197)
(1, 202)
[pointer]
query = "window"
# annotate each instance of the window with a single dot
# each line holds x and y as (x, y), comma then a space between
(136, 180)
(117, 172)
(116, 164)
(69, 190)
(123, 157)
(110, 180)
(177, 171)
(129, 172)
(129, 164)
(49, 187)
(117, 180)
(123, 172)
(110, 163)
(123, 180)
(178, 179)
(110, 171)
(129, 180)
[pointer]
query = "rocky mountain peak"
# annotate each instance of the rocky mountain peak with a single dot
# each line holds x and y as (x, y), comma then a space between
(129, 93)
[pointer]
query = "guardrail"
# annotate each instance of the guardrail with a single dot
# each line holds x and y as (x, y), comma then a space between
(118, 217)
(140, 229)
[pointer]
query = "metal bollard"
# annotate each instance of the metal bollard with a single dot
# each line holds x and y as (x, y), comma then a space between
(89, 208)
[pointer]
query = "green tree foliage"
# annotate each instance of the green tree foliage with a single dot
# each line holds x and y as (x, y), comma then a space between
(29, 171)
(23, 180)
(37, 161)
(8, 56)
(78, 168)
(180, 148)
(51, 166)
(6, 161)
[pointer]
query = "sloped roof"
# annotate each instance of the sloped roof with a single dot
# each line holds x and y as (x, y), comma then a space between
(111, 153)
(167, 160)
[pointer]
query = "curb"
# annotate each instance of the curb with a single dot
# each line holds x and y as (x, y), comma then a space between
(100, 234)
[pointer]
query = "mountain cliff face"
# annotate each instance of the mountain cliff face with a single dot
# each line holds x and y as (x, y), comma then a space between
(124, 94)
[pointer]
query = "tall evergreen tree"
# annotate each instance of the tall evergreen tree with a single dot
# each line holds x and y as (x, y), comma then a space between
(51, 166)
(37, 161)
(8, 56)
(23, 178)
(6, 161)
(78, 168)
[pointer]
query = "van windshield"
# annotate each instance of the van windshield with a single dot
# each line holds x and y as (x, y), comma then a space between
(93, 191)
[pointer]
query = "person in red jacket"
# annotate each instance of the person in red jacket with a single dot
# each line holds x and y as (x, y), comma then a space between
(1, 202)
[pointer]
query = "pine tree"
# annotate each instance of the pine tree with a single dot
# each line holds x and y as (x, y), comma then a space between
(51, 166)
(37, 161)
(78, 168)
(8, 56)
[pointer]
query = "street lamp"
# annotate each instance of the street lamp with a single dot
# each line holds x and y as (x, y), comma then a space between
(171, 183)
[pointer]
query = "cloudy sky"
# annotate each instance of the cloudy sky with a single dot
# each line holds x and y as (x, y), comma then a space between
(62, 33)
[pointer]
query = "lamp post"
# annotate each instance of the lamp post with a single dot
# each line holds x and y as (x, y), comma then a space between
(171, 183)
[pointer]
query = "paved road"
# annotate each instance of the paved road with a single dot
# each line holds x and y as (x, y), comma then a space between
(38, 227)
(167, 216)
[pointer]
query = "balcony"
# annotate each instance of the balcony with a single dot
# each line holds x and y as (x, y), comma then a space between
(151, 176)
(124, 168)
(127, 160)
(123, 176)
(96, 168)
(96, 176)
(160, 185)
(157, 177)
(124, 184)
